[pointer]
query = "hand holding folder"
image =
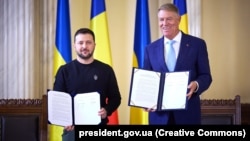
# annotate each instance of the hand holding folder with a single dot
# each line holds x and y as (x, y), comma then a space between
(158, 91)
(65, 110)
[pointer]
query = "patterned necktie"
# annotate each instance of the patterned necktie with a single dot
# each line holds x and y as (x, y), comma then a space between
(171, 58)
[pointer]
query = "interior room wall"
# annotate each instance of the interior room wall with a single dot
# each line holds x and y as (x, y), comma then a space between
(224, 26)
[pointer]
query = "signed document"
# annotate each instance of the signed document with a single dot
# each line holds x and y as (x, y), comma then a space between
(65, 110)
(159, 91)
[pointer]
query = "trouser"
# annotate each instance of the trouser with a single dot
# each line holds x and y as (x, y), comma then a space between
(68, 135)
(171, 120)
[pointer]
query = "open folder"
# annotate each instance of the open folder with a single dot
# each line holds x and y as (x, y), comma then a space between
(158, 91)
(81, 109)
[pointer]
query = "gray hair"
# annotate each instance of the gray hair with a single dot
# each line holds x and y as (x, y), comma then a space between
(169, 7)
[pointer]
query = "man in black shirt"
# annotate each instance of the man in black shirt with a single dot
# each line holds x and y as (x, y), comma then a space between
(86, 74)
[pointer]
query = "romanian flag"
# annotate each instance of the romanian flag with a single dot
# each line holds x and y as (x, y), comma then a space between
(62, 52)
(181, 5)
(141, 39)
(99, 25)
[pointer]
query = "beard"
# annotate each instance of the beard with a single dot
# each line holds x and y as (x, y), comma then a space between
(85, 57)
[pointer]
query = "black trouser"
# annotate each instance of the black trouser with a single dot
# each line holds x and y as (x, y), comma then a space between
(171, 120)
(68, 135)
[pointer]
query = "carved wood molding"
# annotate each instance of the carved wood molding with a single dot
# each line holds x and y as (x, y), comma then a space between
(216, 102)
(220, 102)
(21, 102)
(23, 108)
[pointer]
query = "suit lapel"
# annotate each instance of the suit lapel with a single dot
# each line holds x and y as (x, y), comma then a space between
(160, 52)
(183, 52)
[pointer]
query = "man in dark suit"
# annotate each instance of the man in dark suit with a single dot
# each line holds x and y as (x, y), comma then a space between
(191, 55)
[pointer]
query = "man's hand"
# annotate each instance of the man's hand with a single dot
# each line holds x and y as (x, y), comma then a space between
(69, 128)
(192, 88)
(102, 113)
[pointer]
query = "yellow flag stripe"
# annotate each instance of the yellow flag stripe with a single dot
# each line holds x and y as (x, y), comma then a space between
(58, 60)
(184, 23)
(102, 50)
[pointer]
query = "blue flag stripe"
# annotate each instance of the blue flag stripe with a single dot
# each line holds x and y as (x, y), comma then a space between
(181, 4)
(142, 30)
(99, 7)
(63, 33)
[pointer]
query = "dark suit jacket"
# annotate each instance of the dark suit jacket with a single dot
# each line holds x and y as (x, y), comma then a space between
(193, 56)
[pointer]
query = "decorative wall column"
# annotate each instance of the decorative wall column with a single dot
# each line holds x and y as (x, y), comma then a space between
(27, 34)
(194, 17)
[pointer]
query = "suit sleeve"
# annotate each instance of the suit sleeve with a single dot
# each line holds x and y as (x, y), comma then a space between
(204, 75)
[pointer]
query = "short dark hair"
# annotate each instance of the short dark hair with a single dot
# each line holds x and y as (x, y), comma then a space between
(84, 31)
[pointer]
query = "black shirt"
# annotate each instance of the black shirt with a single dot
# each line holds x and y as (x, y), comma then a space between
(74, 78)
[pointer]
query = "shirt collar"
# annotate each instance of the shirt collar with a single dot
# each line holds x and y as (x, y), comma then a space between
(177, 38)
